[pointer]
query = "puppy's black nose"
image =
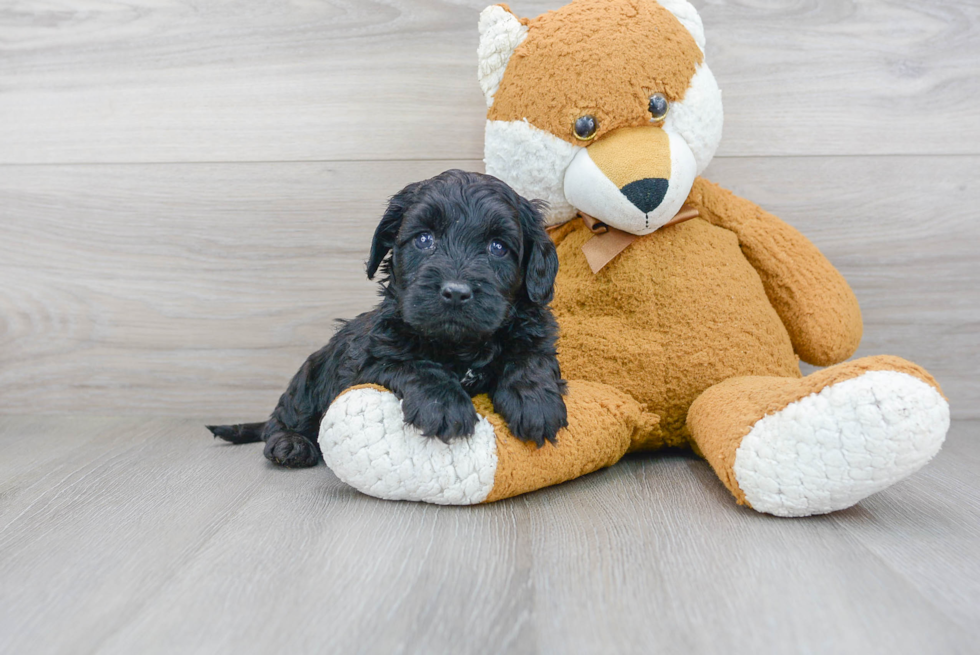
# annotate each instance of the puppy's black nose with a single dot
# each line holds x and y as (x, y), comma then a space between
(646, 194)
(456, 293)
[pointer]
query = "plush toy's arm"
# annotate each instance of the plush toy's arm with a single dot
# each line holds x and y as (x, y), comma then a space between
(811, 297)
(366, 443)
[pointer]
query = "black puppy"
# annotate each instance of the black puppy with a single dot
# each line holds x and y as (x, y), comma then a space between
(464, 311)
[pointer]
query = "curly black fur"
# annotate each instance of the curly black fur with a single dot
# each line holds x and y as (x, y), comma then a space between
(457, 318)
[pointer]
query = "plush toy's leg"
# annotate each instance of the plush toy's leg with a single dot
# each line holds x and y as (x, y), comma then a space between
(366, 443)
(797, 447)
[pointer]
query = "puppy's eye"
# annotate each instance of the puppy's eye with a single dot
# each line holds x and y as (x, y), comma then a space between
(497, 248)
(425, 241)
(585, 128)
(659, 106)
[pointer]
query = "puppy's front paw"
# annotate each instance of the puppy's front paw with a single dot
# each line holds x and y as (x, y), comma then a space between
(443, 413)
(291, 450)
(535, 417)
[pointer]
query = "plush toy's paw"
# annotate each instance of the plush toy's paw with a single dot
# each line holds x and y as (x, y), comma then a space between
(291, 450)
(446, 413)
(532, 417)
(831, 449)
(368, 445)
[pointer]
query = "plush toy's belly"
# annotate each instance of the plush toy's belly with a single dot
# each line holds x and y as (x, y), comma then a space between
(676, 312)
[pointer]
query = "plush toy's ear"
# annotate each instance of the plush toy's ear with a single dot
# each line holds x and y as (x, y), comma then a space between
(540, 256)
(688, 16)
(500, 34)
(391, 222)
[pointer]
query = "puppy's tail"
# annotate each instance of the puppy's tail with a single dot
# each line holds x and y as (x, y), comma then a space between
(242, 433)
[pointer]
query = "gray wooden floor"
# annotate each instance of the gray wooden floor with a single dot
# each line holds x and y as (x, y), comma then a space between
(187, 193)
(129, 535)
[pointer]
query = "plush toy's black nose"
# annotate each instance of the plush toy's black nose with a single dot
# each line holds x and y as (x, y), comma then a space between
(646, 194)
(456, 293)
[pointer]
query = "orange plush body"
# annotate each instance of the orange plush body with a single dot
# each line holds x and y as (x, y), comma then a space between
(683, 333)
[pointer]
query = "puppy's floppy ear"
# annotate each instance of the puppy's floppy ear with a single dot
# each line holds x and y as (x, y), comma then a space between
(391, 222)
(540, 256)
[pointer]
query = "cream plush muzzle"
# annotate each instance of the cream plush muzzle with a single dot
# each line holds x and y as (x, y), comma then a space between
(637, 180)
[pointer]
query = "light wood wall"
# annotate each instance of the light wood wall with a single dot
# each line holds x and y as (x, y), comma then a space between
(187, 190)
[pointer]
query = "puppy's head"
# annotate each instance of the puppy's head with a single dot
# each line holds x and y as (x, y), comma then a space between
(465, 251)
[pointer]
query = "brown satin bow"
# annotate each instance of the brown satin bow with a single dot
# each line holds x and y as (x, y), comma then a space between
(606, 242)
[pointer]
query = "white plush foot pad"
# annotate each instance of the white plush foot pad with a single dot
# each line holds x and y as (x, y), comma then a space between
(367, 444)
(831, 449)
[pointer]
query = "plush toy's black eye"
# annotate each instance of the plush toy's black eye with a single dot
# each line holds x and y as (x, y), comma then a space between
(586, 127)
(659, 106)
(497, 248)
(425, 241)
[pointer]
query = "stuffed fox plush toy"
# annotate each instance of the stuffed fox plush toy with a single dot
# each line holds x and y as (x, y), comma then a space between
(684, 309)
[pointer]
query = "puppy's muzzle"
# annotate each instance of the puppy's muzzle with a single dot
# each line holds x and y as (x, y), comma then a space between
(456, 294)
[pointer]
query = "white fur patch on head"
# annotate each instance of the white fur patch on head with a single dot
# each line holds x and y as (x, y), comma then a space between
(367, 444)
(834, 448)
(531, 161)
(500, 34)
(698, 119)
(688, 16)
(589, 190)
